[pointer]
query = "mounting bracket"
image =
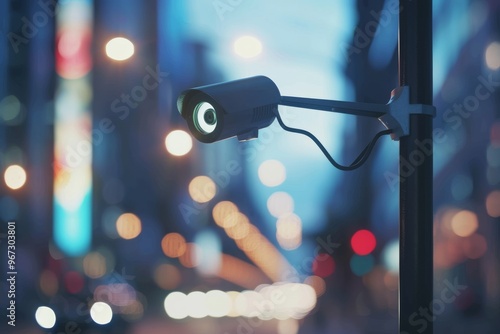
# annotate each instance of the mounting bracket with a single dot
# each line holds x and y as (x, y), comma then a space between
(395, 115)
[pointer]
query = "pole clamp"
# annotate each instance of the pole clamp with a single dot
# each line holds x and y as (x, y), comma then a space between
(399, 109)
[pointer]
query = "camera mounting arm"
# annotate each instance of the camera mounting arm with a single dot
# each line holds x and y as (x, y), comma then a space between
(395, 115)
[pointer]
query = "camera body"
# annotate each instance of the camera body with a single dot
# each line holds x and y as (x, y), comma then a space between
(235, 108)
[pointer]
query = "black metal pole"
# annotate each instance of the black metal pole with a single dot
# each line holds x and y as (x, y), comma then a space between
(416, 215)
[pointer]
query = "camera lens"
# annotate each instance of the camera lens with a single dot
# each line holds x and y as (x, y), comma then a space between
(210, 117)
(205, 118)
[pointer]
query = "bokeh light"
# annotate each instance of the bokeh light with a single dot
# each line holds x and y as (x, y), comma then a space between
(219, 303)
(444, 217)
(289, 231)
(189, 259)
(197, 302)
(178, 143)
(202, 189)
(222, 211)
(391, 281)
(390, 256)
(474, 246)
(317, 283)
(45, 317)
(176, 305)
(132, 312)
(247, 47)
(448, 253)
(461, 187)
(49, 284)
(55, 252)
(108, 220)
(362, 265)
(128, 226)
(70, 43)
(233, 295)
(296, 301)
(272, 173)
(245, 301)
(118, 294)
(15, 176)
(120, 48)
(173, 245)
(252, 241)
(493, 204)
(464, 223)
(208, 253)
(73, 50)
(492, 56)
(94, 265)
(288, 326)
(101, 313)
(323, 265)
(234, 219)
(280, 203)
(11, 110)
(237, 225)
(363, 242)
(167, 276)
(73, 282)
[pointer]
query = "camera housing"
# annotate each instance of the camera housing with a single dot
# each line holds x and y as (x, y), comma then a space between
(235, 108)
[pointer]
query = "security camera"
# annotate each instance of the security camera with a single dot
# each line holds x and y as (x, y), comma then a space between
(235, 108)
(240, 108)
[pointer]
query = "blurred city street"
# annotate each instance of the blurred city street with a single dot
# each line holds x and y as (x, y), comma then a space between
(115, 219)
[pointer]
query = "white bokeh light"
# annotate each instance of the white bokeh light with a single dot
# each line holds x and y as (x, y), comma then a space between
(176, 305)
(45, 317)
(197, 304)
(492, 56)
(101, 313)
(15, 176)
(247, 47)
(120, 48)
(178, 143)
(219, 303)
(296, 302)
(289, 231)
(390, 256)
(272, 173)
(280, 203)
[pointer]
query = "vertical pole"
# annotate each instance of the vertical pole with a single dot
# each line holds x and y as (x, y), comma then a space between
(416, 215)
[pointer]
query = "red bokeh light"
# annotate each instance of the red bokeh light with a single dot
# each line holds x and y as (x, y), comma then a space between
(323, 265)
(74, 282)
(73, 53)
(363, 242)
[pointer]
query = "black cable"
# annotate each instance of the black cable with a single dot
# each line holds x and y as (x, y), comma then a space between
(358, 162)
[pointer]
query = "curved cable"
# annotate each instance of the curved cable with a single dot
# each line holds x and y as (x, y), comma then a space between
(358, 162)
